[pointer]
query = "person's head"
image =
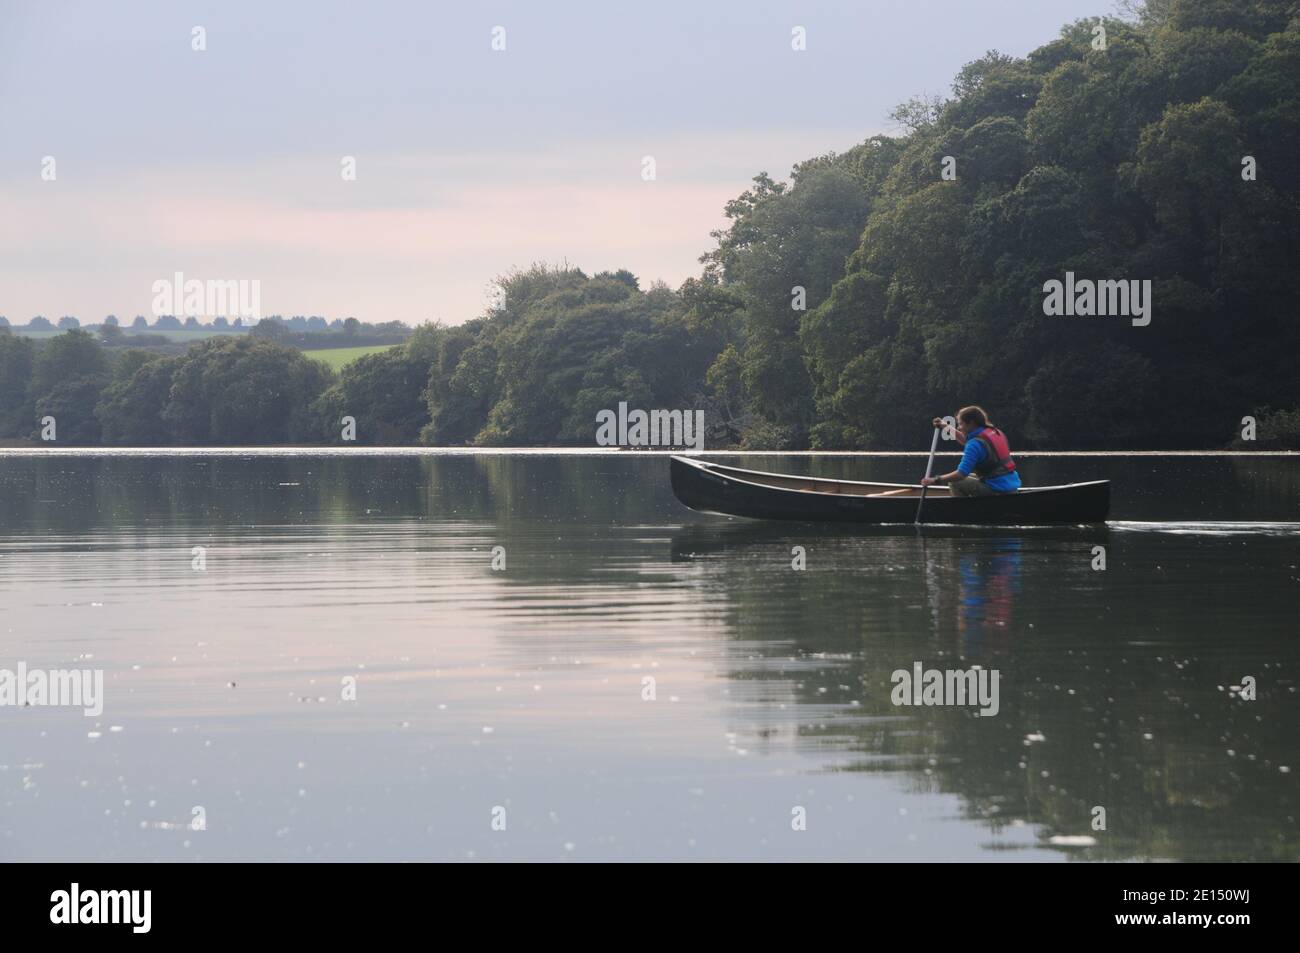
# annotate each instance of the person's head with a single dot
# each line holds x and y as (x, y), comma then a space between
(971, 418)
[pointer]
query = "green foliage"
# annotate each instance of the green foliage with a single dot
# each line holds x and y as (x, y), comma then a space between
(557, 347)
(383, 392)
(1117, 163)
(72, 405)
(223, 391)
(17, 354)
(266, 329)
(67, 375)
(126, 363)
(462, 388)
(131, 407)
(68, 356)
(1274, 430)
(995, 86)
(1100, 391)
(1256, 18)
(563, 359)
(784, 238)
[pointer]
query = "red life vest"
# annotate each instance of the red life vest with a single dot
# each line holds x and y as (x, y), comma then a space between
(997, 454)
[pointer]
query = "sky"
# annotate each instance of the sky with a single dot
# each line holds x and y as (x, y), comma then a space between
(226, 163)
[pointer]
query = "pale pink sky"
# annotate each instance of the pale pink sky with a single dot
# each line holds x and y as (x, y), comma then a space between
(413, 238)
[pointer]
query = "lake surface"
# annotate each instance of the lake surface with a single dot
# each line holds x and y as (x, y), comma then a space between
(517, 696)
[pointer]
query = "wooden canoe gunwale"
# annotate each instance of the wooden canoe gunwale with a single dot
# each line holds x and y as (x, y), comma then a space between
(777, 481)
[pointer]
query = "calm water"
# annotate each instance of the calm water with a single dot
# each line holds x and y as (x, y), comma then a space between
(522, 689)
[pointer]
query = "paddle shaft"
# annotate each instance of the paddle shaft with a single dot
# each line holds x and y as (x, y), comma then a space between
(929, 464)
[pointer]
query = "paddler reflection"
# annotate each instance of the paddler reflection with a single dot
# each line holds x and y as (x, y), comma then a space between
(990, 585)
(980, 608)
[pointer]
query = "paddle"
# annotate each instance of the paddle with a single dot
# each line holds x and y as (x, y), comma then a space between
(934, 444)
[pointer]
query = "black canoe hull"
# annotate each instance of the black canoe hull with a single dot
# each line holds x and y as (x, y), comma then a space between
(731, 491)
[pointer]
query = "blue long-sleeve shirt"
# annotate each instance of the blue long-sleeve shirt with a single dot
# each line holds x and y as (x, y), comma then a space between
(974, 455)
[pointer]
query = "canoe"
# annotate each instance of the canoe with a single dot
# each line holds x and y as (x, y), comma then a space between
(731, 491)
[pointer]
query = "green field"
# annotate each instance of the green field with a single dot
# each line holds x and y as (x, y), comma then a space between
(336, 357)
(181, 337)
(37, 335)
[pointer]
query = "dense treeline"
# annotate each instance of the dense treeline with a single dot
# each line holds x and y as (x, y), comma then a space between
(843, 308)
(314, 329)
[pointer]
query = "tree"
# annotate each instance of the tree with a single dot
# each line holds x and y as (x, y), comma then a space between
(70, 356)
(17, 354)
(1110, 379)
(1149, 13)
(244, 391)
(785, 249)
(555, 347)
(72, 404)
(462, 387)
(384, 392)
(1124, 165)
(918, 112)
(130, 409)
(67, 375)
(270, 330)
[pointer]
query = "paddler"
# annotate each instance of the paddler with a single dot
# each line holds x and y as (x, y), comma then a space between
(986, 467)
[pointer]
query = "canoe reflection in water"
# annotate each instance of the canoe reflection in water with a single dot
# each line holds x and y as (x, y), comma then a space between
(969, 580)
